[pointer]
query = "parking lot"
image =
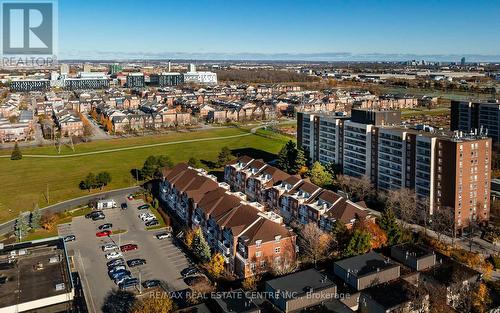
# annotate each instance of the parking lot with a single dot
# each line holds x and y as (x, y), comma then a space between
(164, 260)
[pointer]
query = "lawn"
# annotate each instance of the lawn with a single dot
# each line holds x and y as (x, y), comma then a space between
(24, 182)
(431, 112)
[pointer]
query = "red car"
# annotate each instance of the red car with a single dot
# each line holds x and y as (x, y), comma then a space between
(103, 233)
(128, 247)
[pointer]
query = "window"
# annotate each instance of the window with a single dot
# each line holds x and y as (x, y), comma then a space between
(277, 250)
(258, 254)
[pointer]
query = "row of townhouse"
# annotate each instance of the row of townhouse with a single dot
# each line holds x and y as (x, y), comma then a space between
(246, 112)
(293, 198)
(250, 239)
(68, 121)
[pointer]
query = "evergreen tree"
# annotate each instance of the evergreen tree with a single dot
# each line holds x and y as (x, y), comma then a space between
(194, 162)
(153, 165)
(290, 158)
(390, 225)
(22, 226)
(341, 234)
(103, 179)
(358, 244)
(16, 153)
(89, 182)
(223, 157)
(36, 216)
(319, 175)
(200, 246)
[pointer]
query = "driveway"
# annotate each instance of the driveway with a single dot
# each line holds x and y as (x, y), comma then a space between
(164, 260)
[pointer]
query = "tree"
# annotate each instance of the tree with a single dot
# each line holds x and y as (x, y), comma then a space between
(48, 221)
(389, 224)
(22, 225)
(250, 282)
(403, 203)
(314, 243)
(163, 304)
(16, 153)
(103, 179)
(153, 165)
(480, 298)
(340, 233)
(291, 159)
(189, 238)
(223, 157)
(216, 265)
(118, 301)
(89, 182)
(378, 238)
(359, 243)
(319, 175)
(194, 162)
(35, 219)
(355, 187)
(443, 221)
(200, 246)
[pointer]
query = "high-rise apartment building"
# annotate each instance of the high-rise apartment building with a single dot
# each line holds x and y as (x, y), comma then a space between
(135, 80)
(446, 169)
(469, 116)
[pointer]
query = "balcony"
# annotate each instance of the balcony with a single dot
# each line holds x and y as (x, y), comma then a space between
(223, 248)
(242, 258)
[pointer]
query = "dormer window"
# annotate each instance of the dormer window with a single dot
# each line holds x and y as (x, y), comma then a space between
(258, 243)
(277, 238)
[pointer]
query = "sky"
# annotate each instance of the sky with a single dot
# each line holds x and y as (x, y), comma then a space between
(279, 29)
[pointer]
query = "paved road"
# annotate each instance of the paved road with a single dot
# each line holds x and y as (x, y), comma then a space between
(97, 132)
(164, 260)
(73, 203)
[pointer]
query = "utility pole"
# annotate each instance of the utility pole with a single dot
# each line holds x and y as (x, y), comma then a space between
(48, 196)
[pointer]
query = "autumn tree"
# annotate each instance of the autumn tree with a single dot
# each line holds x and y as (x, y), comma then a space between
(314, 243)
(359, 243)
(162, 304)
(319, 175)
(216, 265)
(189, 238)
(250, 282)
(48, 221)
(200, 246)
(480, 298)
(389, 224)
(378, 238)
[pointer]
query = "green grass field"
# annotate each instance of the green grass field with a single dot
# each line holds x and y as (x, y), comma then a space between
(431, 112)
(24, 182)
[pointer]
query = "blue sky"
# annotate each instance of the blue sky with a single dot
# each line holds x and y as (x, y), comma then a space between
(305, 29)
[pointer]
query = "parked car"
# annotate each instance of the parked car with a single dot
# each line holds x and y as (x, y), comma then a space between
(129, 282)
(113, 255)
(109, 247)
(151, 283)
(93, 214)
(163, 235)
(136, 262)
(152, 223)
(189, 271)
(115, 262)
(121, 279)
(130, 197)
(105, 226)
(145, 214)
(149, 218)
(143, 207)
(129, 247)
(69, 238)
(119, 275)
(124, 206)
(103, 233)
(116, 269)
(99, 217)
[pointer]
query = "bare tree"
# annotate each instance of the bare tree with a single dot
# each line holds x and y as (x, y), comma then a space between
(443, 221)
(354, 187)
(403, 203)
(314, 243)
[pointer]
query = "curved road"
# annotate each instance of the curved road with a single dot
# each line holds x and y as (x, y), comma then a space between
(252, 131)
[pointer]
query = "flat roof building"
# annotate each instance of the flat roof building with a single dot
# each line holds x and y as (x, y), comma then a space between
(34, 276)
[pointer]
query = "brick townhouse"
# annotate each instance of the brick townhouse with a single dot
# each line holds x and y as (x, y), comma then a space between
(250, 239)
(293, 198)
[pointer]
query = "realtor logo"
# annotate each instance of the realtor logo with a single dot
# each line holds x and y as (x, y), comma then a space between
(28, 28)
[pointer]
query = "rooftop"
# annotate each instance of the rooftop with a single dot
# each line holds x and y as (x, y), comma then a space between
(301, 282)
(365, 264)
(236, 301)
(33, 270)
(393, 294)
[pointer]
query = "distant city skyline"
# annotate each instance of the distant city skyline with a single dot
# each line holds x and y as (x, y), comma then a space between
(280, 30)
